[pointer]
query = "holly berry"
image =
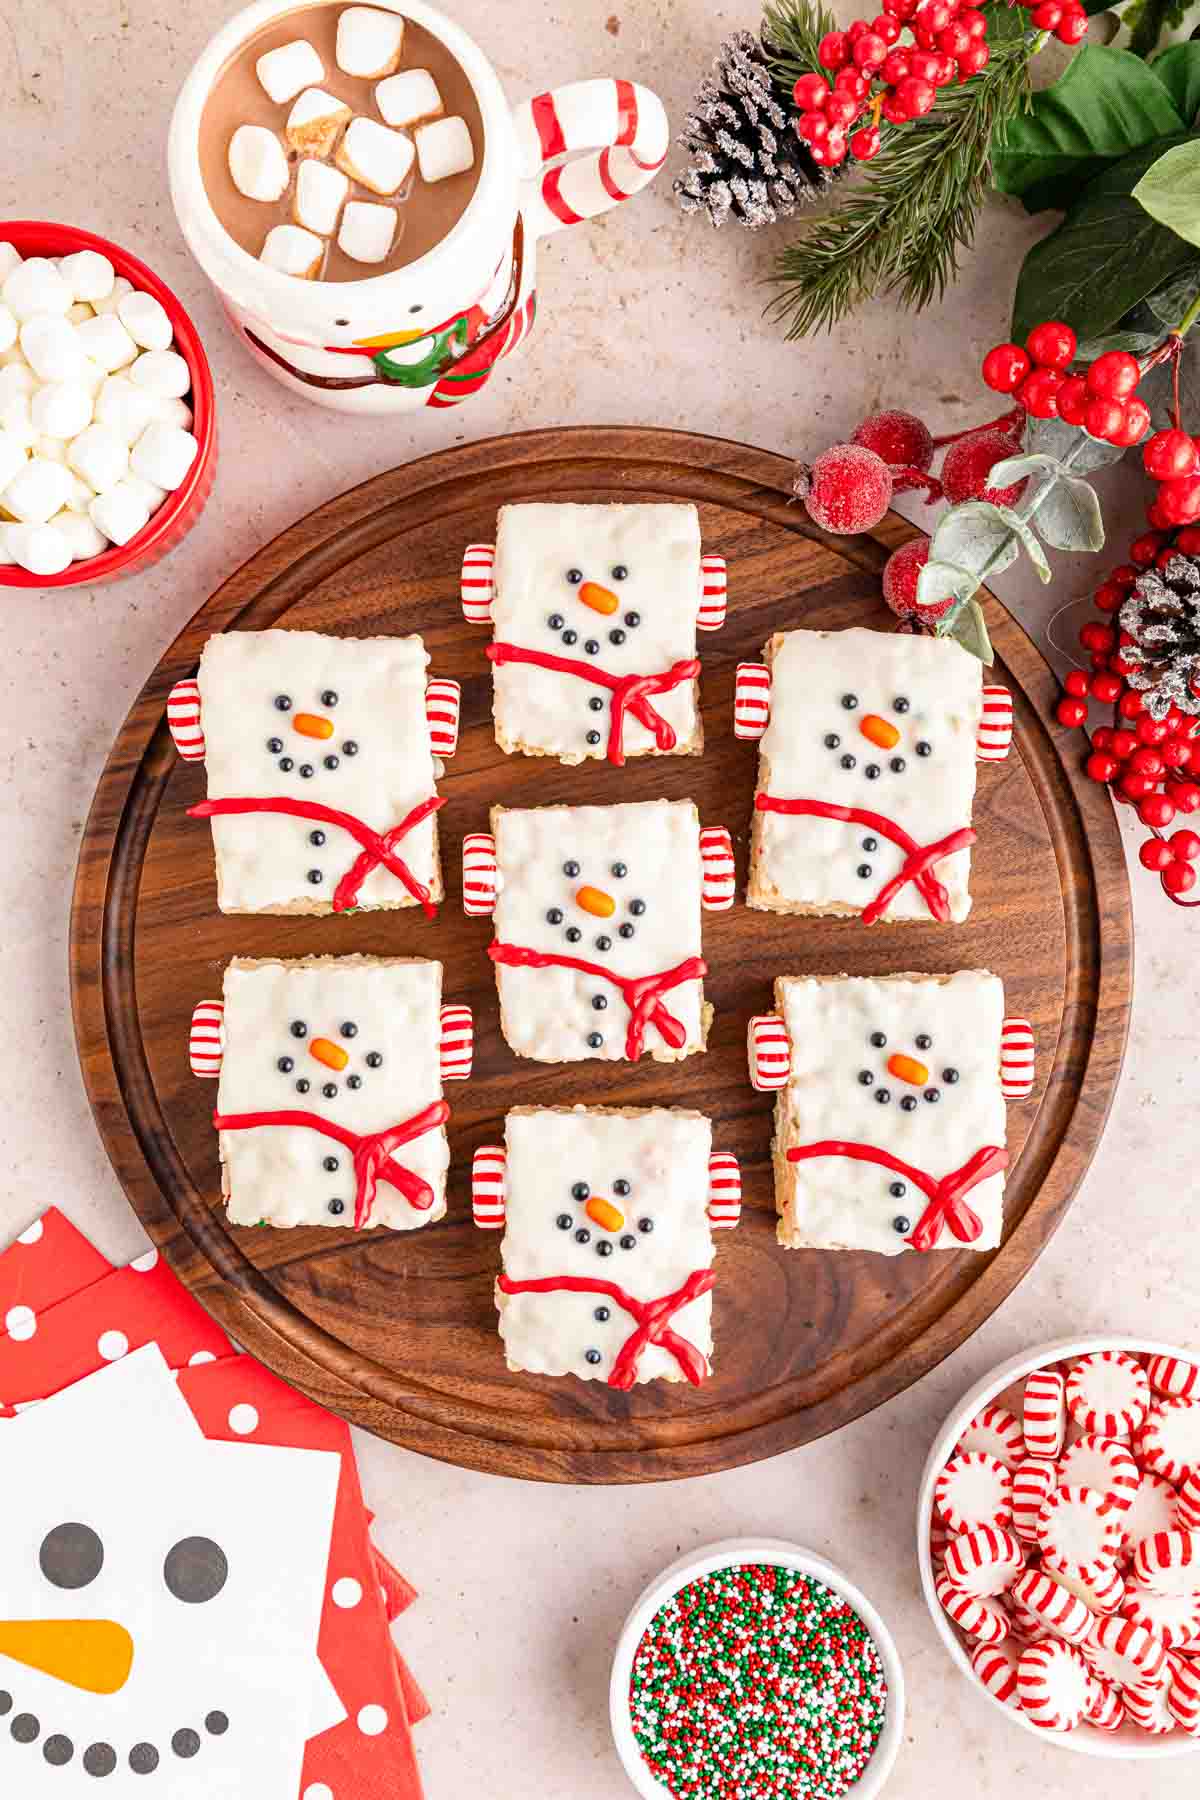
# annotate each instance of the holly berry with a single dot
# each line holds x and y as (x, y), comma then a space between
(833, 50)
(1170, 454)
(1073, 400)
(1005, 368)
(970, 461)
(1102, 766)
(847, 488)
(1178, 877)
(1155, 855)
(900, 574)
(1179, 500)
(1051, 344)
(900, 438)
(1073, 29)
(1102, 418)
(1078, 684)
(1114, 375)
(1071, 712)
(1184, 795)
(1185, 844)
(1046, 16)
(1038, 393)
(865, 144)
(1134, 426)
(1156, 811)
(1106, 688)
(915, 96)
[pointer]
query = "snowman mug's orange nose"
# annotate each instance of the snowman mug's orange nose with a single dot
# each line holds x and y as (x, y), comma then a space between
(332, 1055)
(600, 599)
(907, 1068)
(879, 731)
(604, 1213)
(595, 901)
(93, 1654)
(312, 725)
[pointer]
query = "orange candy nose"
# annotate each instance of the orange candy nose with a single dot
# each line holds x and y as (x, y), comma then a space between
(332, 1055)
(879, 731)
(312, 725)
(596, 901)
(600, 599)
(907, 1068)
(604, 1214)
(93, 1654)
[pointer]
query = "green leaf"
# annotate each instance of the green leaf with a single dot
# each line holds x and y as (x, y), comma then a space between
(1068, 515)
(1172, 301)
(1170, 191)
(1179, 71)
(969, 630)
(938, 579)
(1016, 468)
(1107, 103)
(974, 535)
(1058, 439)
(1136, 342)
(1107, 254)
(1023, 530)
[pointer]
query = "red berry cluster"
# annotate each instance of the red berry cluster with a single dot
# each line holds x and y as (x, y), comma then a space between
(1150, 764)
(1102, 399)
(1066, 19)
(1172, 458)
(949, 45)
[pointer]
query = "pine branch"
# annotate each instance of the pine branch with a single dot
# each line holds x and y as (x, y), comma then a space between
(901, 231)
(791, 31)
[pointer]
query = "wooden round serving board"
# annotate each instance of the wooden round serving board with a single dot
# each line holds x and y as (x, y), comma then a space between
(398, 1332)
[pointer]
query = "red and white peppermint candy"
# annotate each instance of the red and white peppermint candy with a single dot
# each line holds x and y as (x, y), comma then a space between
(719, 877)
(457, 1045)
(1154, 1507)
(443, 703)
(487, 1187)
(477, 590)
(995, 1666)
(713, 597)
(1183, 1687)
(977, 1615)
(993, 735)
(1107, 1711)
(1032, 1480)
(985, 1561)
(1108, 1394)
(1043, 1413)
(183, 720)
(479, 873)
(997, 1433)
(1101, 1588)
(1101, 1463)
(751, 700)
(1174, 1378)
(1024, 1625)
(1123, 1651)
(206, 1039)
(974, 1489)
(1054, 1684)
(1189, 1500)
(1149, 1709)
(1017, 1059)
(1175, 1618)
(1052, 1605)
(939, 1537)
(1170, 1440)
(1169, 1562)
(768, 1052)
(724, 1191)
(1078, 1529)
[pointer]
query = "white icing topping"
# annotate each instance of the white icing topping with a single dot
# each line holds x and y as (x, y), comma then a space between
(814, 861)
(548, 1013)
(536, 545)
(663, 1154)
(835, 1203)
(263, 860)
(276, 1172)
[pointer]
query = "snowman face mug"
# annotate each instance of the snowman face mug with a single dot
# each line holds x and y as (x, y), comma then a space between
(429, 332)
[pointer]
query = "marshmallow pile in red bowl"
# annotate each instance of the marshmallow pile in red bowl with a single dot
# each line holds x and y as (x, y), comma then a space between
(1058, 1534)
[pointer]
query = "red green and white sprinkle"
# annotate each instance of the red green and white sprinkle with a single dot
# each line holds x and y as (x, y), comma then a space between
(757, 1681)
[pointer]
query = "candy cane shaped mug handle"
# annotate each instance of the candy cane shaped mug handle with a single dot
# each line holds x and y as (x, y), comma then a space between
(769, 1053)
(206, 1039)
(487, 1187)
(456, 1049)
(183, 720)
(613, 135)
(724, 1191)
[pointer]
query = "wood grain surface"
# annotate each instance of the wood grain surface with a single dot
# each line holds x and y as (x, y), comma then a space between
(397, 1332)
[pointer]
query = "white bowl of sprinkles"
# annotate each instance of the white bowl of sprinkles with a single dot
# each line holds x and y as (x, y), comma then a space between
(854, 1750)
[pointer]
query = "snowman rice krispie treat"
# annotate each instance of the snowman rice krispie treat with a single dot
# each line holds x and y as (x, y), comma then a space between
(597, 914)
(322, 754)
(866, 772)
(594, 612)
(890, 1121)
(607, 1253)
(330, 1107)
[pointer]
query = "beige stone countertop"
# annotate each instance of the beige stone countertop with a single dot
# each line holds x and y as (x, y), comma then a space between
(644, 318)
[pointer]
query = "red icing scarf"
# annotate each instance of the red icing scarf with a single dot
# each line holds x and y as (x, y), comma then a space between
(642, 994)
(628, 691)
(371, 1150)
(653, 1319)
(378, 848)
(947, 1197)
(919, 859)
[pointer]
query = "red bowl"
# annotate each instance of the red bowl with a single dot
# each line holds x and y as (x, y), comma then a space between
(180, 510)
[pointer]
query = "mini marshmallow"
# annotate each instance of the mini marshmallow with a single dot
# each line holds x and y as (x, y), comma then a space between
(409, 98)
(319, 194)
(89, 275)
(163, 454)
(369, 42)
(293, 251)
(146, 321)
(53, 348)
(105, 340)
(35, 286)
(125, 408)
(10, 256)
(16, 378)
(41, 549)
(445, 148)
(148, 492)
(8, 327)
(367, 231)
(172, 412)
(314, 122)
(100, 456)
(36, 492)
(13, 456)
(52, 449)
(374, 155)
(119, 514)
(110, 302)
(80, 496)
(257, 163)
(84, 537)
(79, 311)
(16, 420)
(61, 409)
(283, 72)
(163, 373)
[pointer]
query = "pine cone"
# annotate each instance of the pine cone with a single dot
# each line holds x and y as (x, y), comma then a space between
(747, 162)
(1162, 616)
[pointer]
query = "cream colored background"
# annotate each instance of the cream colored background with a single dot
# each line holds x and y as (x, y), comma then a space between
(645, 318)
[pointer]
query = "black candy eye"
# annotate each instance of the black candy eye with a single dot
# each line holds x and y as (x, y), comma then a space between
(556, 621)
(570, 637)
(616, 637)
(331, 762)
(924, 1041)
(299, 1028)
(924, 749)
(570, 870)
(866, 1079)
(283, 703)
(285, 1065)
(574, 576)
(354, 1082)
(637, 908)
(850, 702)
(909, 1103)
(620, 870)
(316, 838)
(275, 745)
(348, 1028)
(374, 1059)
(71, 1556)
(580, 1191)
(583, 1235)
(633, 620)
(564, 1221)
(901, 704)
(621, 1187)
(330, 1090)
(592, 646)
(349, 748)
(195, 1570)
(832, 741)
(902, 1225)
(849, 762)
(328, 697)
(883, 1095)
(330, 1165)
(897, 765)
(628, 1242)
(898, 1189)
(646, 1225)
(871, 771)
(950, 1076)
(619, 572)
(878, 1039)
(286, 765)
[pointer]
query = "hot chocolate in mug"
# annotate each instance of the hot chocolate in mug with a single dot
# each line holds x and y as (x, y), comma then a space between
(429, 333)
